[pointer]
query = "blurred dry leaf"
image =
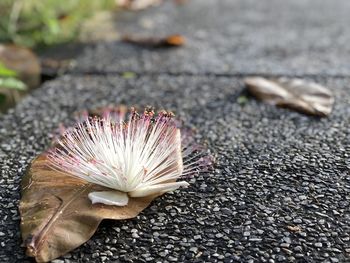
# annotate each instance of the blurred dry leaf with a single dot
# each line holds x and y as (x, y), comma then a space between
(296, 94)
(137, 4)
(168, 41)
(23, 61)
(57, 215)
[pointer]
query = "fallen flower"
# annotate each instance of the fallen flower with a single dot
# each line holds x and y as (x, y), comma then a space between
(95, 170)
(138, 156)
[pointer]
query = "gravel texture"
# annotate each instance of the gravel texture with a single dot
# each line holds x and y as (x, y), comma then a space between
(234, 36)
(280, 191)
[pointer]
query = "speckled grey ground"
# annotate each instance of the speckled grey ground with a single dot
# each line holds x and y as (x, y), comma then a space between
(275, 168)
(230, 36)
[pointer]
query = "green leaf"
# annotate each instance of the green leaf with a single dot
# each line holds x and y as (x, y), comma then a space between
(242, 100)
(2, 98)
(12, 83)
(53, 26)
(6, 72)
(128, 75)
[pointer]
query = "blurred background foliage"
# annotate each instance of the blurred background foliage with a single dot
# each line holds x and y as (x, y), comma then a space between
(36, 23)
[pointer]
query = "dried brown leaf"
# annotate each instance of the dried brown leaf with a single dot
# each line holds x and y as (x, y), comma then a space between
(296, 94)
(168, 41)
(56, 214)
(23, 61)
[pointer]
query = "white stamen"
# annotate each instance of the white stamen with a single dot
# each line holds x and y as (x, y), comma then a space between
(141, 156)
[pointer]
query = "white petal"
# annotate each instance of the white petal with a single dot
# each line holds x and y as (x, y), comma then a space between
(158, 188)
(109, 198)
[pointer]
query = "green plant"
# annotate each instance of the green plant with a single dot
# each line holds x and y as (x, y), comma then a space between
(9, 80)
(45, 22)
(9, 85)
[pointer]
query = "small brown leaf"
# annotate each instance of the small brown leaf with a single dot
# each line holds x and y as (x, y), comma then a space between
(296, 94)
(23, 61)
(294, 228)
(169, 41)
(57, 215)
